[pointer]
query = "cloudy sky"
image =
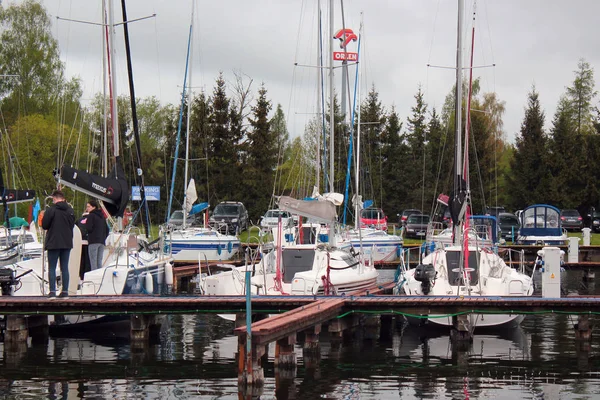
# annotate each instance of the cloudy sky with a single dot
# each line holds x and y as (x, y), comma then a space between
(531, 42)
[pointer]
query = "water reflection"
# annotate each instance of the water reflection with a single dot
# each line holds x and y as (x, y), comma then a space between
(195, 357)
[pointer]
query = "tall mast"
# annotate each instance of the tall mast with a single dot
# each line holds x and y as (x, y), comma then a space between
(189, 117)
(458, 175)
(104, 83)
(113, 80)
(136, 130)
(357, 166)
(319, 94)
(331, 98)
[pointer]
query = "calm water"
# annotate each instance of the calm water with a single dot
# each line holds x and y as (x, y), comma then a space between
(195, 359)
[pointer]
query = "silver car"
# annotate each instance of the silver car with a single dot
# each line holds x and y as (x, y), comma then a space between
(271, 219)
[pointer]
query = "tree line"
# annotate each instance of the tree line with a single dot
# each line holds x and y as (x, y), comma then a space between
(241, 150)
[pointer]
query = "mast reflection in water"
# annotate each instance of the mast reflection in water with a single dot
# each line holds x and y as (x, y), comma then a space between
(194, 357)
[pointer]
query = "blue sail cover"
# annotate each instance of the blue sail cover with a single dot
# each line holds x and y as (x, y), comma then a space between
(198, 208)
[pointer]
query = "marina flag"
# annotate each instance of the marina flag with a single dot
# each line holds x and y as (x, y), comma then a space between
(36, 209)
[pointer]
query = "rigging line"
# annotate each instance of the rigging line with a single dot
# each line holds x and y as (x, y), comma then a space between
(437, 11)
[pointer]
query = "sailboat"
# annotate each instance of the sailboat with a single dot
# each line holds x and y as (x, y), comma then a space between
(302, 265)
(191, 244)
(374, 244)
(464, 268)
(131, 264)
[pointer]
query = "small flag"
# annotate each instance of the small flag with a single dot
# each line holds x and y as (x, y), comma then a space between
(36, 210)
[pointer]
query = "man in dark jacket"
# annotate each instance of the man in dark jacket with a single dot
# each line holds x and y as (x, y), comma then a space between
(97, 231)
(59, 220)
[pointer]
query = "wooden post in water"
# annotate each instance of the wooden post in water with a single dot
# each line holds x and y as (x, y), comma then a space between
(311, 339)
(16, 329)
(461, 329)
(583, 329)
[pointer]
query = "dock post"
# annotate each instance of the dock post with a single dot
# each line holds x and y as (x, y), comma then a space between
(587, 236)
(386, 330)
(573, 256)
(139, 332)
(583, 330)
(371, 324)
(16, 329)
(311, 339)
(589, 275)
(284, 352)
(39, 330)
(461, 329)
(250, 371)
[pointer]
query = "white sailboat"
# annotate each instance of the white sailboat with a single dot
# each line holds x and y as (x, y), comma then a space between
(130, 264)
(465, 268)
(303, 265)
(196, 244)
(374, 244)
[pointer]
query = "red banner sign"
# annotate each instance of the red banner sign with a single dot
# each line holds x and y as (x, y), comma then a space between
(345, 56)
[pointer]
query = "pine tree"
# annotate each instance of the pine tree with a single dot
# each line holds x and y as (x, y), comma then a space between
(393, 153)
(259, 169)
(529, 165)
(416, 137)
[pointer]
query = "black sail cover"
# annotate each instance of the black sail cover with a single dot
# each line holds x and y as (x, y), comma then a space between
(112, 190)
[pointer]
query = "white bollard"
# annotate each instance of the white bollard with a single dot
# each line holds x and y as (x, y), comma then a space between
(587, 236)
(573, 250)
(550, 272)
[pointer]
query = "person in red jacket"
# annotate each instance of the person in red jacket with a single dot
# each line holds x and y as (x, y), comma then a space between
(58, 220)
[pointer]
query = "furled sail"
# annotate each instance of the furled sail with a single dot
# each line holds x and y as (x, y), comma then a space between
(112, 190)
(190, 196)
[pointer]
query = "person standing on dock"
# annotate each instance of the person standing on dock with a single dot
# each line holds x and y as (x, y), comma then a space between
(97, 232)
(84, 265)
(59, 221)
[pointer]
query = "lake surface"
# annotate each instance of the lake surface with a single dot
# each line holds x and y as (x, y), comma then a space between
(195, 359)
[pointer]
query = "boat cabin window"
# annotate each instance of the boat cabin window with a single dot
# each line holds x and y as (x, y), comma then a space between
(540, 217)
(455, 277)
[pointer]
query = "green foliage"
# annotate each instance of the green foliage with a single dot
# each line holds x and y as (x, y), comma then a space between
(530, 178)
(28, 50)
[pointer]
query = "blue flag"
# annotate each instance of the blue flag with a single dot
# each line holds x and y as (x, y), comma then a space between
(36, 209)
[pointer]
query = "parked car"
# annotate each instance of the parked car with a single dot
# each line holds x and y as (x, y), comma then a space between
(416, 226)
(596, 221)
(444, 218)
(494, 211)
(176, 219)
(271, 219)
(406, 213)
(373, 218)
(571, 219)
(229, 217)
(509, 226)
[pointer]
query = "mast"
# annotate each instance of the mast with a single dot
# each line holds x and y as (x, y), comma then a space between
(331, 99)
(113, 81)
(189, 117)
(183, 93)
(458, 175)
(357, 173)
(136, 131)
(104, 83)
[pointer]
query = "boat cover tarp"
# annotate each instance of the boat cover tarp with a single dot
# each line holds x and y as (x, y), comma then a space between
(112, 190)
(320, 211)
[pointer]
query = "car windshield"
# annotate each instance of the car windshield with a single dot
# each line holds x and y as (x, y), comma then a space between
(225, 209)
(508, 220)
(418, 219)
(570, 213)
(373, 214)
(276, 214)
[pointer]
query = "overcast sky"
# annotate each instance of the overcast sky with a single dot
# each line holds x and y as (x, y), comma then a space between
(531, 42)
